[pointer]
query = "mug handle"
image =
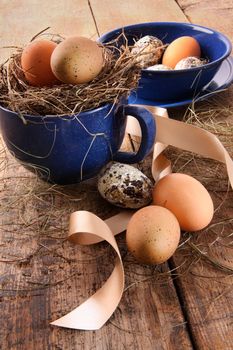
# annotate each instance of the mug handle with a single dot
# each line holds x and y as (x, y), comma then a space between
(148, 130)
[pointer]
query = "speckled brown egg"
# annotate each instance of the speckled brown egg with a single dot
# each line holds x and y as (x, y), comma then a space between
(124, 186)
(77, 60)
(148, 50)
(153, 235)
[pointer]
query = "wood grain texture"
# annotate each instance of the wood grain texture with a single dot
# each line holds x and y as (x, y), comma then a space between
(206, 292)
(109, 16)
(46, 276)
(21, 20)
(216, 14)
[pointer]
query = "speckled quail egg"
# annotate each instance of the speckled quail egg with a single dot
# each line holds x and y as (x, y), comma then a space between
(148, 50)
(159, 67)
(190, 62)
(124, 186)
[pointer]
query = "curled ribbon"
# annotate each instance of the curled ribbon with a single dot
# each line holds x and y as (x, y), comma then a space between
(86, 228)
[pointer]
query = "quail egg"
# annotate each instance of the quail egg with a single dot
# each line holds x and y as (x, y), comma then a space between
(124, 186)
(148, 50)
(190, 62)
(159, 67)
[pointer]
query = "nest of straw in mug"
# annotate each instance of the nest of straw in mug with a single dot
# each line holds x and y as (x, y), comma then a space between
(118, 77)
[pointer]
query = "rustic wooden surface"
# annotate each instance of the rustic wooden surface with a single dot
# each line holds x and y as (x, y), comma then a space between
(43, 276)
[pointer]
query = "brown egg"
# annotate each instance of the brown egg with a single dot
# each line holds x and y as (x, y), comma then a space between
(180, 48)
(152, 235)
(77, 60)
(186, 198)
(35, 62)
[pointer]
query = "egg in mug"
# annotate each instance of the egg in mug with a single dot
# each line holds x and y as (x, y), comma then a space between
(77, 60)
(35, 62)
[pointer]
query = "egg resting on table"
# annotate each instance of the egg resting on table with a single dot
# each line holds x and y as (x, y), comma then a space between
(35, 62)
(186, 198)
(153, 235)
(77, 60)
(148, 50)
(180, 48)
(124, 186)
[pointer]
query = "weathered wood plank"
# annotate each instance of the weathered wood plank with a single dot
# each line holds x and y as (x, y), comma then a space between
(216, 14)
(52, 276)
(21, 20)
(206, 291)
(109, 16)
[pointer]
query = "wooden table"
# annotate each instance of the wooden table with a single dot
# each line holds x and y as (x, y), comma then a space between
(43, 276)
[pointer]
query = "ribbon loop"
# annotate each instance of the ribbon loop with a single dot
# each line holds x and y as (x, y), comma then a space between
(87, 228)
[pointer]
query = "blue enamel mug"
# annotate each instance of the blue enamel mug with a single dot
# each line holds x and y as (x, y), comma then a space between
(70, 149)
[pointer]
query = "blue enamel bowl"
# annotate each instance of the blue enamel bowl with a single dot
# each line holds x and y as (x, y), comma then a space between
(175, 84)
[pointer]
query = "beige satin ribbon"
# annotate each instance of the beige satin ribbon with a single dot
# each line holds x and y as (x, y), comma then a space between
(86, 228)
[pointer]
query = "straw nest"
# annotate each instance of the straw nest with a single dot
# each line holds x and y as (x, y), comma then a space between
(119, 75)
